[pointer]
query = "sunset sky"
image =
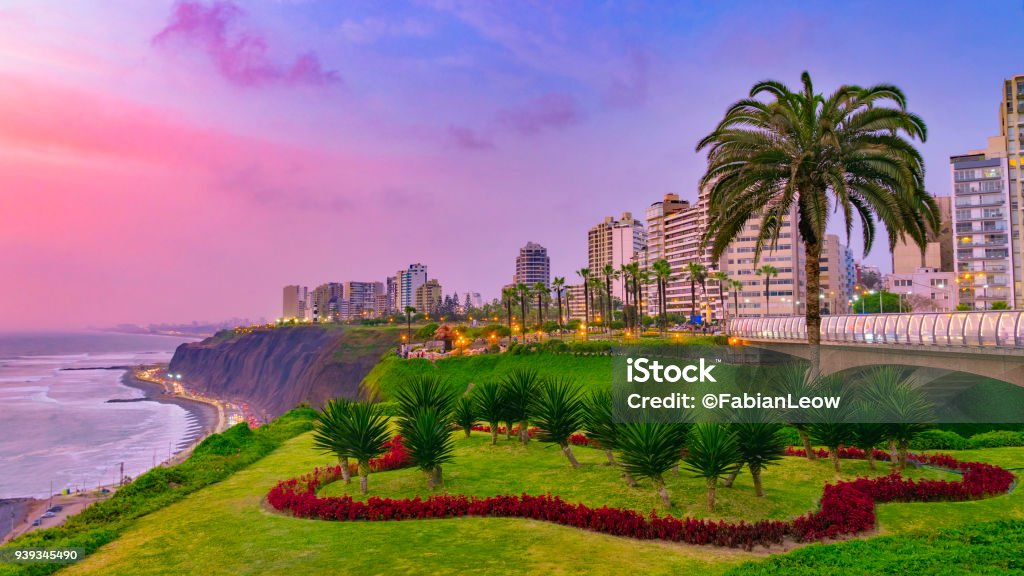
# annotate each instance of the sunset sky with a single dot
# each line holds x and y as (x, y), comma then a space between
(165, 161)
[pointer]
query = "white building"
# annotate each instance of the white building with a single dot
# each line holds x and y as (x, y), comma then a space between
(925, 289)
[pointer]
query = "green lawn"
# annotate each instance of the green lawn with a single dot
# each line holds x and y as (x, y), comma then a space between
(225, 528)
(793, 487)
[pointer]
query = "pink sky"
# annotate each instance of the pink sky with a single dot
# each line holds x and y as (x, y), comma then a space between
(165, 161)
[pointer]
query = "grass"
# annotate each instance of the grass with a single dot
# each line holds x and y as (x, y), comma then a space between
(793, 486)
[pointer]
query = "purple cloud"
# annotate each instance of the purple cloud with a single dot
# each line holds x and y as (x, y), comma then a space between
(628, 88)
(241, 56)
(468, 139)
(554, 110)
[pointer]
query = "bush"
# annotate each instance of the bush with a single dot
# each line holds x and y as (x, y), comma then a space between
(790, 436)
(996, 439)
(426, 332)
(938, 440)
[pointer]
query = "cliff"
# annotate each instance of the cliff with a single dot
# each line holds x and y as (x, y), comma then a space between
(274, 370)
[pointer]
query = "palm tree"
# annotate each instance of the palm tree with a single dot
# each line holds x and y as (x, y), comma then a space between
(364, 434)
(768, 271)
(599, 423)
(465, 413)
(723, 281)
(558, 413)
(584, 274)
(409, 311)
(521, 387)
(867, 435)
(330, 420)
(834, 427)
(508, 294)
(735, 286)
(712, 452)
(797, 381)
(427, 435)
(649, 450)
(491, 406)
(644, 279)
(541, 290)
(662, 273)
(523, 290)
(425, 391)
(559, 285)
(697, 273)
(610, 273)
(760, 444)
(896, 402)
(809, 154)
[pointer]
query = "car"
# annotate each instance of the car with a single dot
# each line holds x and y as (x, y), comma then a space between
(48, 515)
(56, 509)
(37, 522)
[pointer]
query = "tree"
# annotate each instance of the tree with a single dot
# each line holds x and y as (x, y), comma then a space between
(649, 450)
(797, 381)
(801, 152)
(723, 282)
(697, 273)
(327, 435)
(491, 406)
(1000, 305)
(465, 413)
(425, 407)
(559, 285)
(760, 444)
(712, 452)
(364, 435)
(662, 274)
(508, 295)
(521, 387)
(769, 272)
(409, 311)
(523, 290)
(584, 274)
(895, 401)
(735, 286)
(834, 427)
(880, 303)
(599, 423)
(558, 413)
(610, 273)
(866, 436)
(541, 290)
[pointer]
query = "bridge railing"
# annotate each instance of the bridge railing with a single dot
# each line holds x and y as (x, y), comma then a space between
(975, 328)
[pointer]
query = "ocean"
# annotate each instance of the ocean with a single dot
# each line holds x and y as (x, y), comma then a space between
(56, 424)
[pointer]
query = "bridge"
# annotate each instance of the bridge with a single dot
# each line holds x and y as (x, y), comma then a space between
(988, 343)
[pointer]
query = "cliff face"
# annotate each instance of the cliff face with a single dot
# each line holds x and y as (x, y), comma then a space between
(274, 370)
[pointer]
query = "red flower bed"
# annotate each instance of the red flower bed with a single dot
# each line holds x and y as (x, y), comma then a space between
(501, 429)
(396, 457)
(850, 452)
(846, 507)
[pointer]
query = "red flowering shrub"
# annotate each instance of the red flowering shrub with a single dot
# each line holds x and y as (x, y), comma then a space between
(501, 429)
(846, 507)
(396, 457)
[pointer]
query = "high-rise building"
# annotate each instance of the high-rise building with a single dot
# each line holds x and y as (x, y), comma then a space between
(907, 257)
(428, 297)
(835, 266)
(681, 229)
(533, 265)
(575, 302)
(391, 305)
(1011, 136)
(615, 242)
(655, 215)
(362, 298)
(296, 299)
(983, 220)
(408, 281)
(327, 302)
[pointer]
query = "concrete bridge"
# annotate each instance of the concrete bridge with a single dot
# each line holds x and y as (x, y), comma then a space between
(941, 344)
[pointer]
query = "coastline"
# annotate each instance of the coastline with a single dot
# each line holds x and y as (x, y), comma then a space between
(207, 415)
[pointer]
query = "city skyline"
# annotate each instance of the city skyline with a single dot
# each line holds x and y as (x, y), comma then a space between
(173, 161)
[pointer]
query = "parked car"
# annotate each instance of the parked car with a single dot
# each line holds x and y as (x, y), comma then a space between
(56, 509)
(48, 514)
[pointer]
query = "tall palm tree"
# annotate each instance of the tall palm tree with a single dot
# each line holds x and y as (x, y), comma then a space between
(697, 273)
(364, 434)
(541, 290)
(644, 280)
(425, 417)
(723, 282)
(769, 272)
(712, 452)
(327, 434)
(584, 274)
(524, 292)
(558, 413)
(409, 311)
(735, 286)
(809, 154)
(559, 285)
(662, 273)
(508, 294)
(609, 273)
(649, 450)
(599, 422)
(896, 402)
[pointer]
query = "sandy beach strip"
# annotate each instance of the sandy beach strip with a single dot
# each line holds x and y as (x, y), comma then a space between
(205, 414)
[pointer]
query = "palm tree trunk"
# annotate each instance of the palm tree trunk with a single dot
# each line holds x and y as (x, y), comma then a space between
(693, 304)
(869, 454)
(630, 481)
(436, 478)
(813, 317)
(893, 458)
(567, 450)
(767, 281)
(346, 475)
(430, 479)
(755, 473)
(467, 430)
(524, 434)
(610, 456)
(494, 433)
(806, 439)
(730, 479)
(711, 493)
(902, 455)
(663, 492)
(364, 474)
(833, 455)
(559, 309)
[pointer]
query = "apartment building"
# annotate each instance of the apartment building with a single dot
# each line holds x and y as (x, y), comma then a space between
(615, 242)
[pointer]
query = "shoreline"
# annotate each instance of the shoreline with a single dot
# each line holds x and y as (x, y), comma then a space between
(208, 420)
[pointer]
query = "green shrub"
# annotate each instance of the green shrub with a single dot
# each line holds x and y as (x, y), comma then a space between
(938, 440)
(996, 439)
(790, 436)
(389, 408)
